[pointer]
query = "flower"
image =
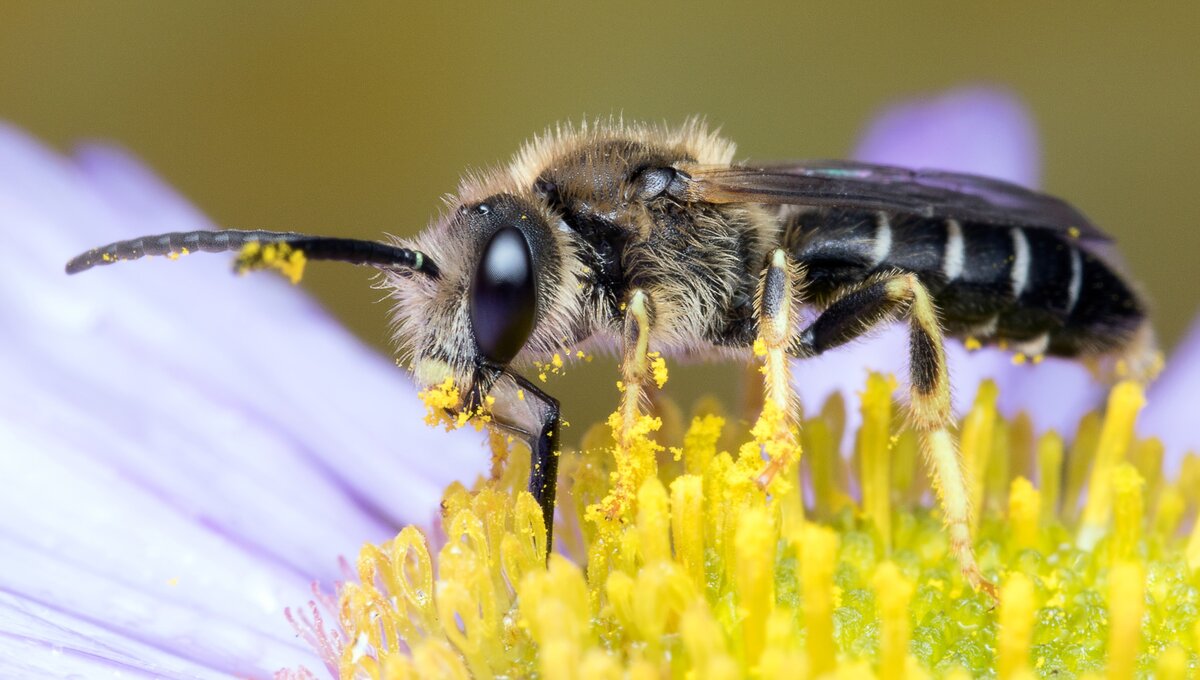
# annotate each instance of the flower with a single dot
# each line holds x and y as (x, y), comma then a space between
(711, 578)
(182, 452)
(171, 485)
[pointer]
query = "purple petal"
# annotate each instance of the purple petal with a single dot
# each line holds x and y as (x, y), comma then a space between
(167, 423)
(977, 130)
(1171, 413)
(38, 641)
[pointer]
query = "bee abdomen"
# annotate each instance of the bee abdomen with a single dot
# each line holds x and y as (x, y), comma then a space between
(1035, 287)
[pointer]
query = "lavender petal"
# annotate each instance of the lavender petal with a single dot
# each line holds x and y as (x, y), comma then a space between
(1171, 412)
(181, 451)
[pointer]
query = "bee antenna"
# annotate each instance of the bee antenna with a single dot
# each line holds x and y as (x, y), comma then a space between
(353, 251)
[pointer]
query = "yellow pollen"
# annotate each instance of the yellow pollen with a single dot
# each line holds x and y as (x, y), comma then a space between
(658, 368)
(281, 257)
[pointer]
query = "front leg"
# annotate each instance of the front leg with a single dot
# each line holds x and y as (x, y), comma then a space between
(856, 313)
(544, 450)
(537, 422)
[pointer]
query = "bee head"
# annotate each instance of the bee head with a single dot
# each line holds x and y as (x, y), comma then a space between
(498, 299)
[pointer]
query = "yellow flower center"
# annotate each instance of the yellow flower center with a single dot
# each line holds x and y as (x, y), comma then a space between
(708, 575)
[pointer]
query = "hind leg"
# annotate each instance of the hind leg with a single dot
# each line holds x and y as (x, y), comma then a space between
(903, 296)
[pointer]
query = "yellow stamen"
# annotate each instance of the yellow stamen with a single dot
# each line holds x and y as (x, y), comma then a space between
(653, 522)
(704, 640)
(978, 437)
(1127, 514)
(1079, 462)
(1123, 406)
(700, 443)
(996, 477)
(874, 455)
(1193, 548)
(892, 595)
(1172, 664)
(755, 548)
(1017, 608)
(687, 534)
(1024, 512)
(1168, 512)
(826, 465)
(1049, 460)
(817, 549)
(1125, 607)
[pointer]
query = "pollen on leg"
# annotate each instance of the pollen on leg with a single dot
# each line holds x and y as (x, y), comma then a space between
(633, 430)
(775, 433)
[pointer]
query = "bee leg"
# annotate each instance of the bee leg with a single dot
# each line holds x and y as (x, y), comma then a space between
(857, 312)
(544, 452)
(632, 468)
(774, 302)
(635, 361)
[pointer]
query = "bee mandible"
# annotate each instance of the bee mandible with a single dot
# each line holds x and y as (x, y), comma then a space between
(651, 239)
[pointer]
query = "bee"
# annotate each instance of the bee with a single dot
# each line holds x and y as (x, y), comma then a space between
(653, 239)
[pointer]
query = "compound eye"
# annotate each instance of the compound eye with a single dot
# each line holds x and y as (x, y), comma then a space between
(503, 296)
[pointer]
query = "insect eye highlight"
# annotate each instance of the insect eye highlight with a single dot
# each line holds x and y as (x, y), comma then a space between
(503, 296)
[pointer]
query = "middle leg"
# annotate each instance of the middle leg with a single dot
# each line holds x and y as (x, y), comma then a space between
(632, 429)
(900, 296)
(776, 428)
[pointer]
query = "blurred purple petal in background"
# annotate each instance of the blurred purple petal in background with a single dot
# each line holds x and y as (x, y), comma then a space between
(980, 130)
(1172, 412)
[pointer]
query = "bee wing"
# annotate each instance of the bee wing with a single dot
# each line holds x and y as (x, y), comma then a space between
(848, 184)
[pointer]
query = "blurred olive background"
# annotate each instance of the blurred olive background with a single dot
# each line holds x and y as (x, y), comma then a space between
(353, 120)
